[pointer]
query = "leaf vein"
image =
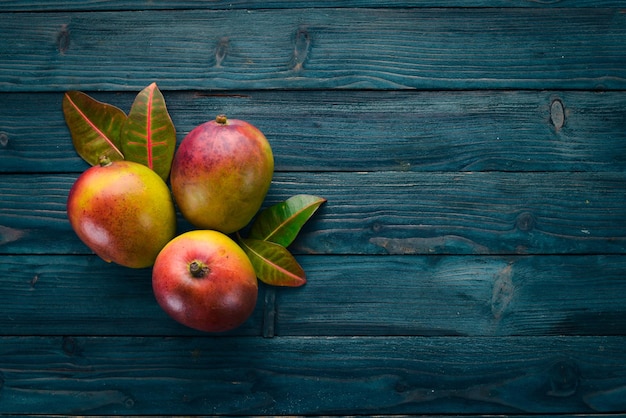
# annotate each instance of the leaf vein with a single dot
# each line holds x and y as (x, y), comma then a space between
(93, 126)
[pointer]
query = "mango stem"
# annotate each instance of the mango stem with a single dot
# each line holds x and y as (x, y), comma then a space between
(198, 269)
(104, 161)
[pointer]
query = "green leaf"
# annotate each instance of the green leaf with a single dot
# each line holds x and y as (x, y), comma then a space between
(273, 263)
(282, 222)
(95, 127)
(148, 136)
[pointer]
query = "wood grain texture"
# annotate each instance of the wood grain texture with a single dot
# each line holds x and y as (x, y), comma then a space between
(358, 375)
(470, 259)
(456, 295)
(345, 295)
(363, 130)
(305, 49)
(464, 213)
(385, 213)
(70, 295)
(99, 5)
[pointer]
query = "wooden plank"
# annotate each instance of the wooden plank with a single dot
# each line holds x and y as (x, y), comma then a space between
(305, 49)
(82, 295)
(466, 213)
(456, 295)
(385, 213)
(94, 5)
(345, 295)
(357, 375)
(363, 130)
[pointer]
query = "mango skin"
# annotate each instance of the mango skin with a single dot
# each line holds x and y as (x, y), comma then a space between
(221, 174)
(123, 211)
(219, 300)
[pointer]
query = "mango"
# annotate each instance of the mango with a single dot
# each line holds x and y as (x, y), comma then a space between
(221, 173)
(123, 211)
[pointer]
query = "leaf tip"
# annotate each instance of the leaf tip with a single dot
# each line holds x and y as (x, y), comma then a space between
(299, 283)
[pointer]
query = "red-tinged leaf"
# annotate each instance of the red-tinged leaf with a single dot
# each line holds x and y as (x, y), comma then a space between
(95, 127)
(273, 263)
(149, 136)
(282, 222)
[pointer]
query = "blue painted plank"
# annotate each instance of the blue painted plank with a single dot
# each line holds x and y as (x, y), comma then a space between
(520, 267)
(456, 296)
(71, 5)
(302, 376)
(385, 213)
(363, 130)
(83, 295)
(453, 296)
(305, 49)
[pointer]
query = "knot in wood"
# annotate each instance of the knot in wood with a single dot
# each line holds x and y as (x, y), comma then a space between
(525, 221)
(557, 114)
(4, 139)
(302, 43)
(564, 378)
(70, 346)
(63, 39)
(377, 227)
(221, 50)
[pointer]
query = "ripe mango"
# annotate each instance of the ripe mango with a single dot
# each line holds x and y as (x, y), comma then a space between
(123, 211)
(221, 174)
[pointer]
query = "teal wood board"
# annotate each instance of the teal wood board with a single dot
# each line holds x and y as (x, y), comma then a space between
(443, 295)
(312, 49)
(331, 130)
(388, 213)
(312, 375)
(97, 5)
(470, 260)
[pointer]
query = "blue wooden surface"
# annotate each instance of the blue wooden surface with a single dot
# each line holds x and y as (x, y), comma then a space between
(471, 257)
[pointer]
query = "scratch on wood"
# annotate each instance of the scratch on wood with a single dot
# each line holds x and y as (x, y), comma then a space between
(8, 235)
(503, 292)
(231, 95)
(428, 245)
(34, 281)
(269, 313)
